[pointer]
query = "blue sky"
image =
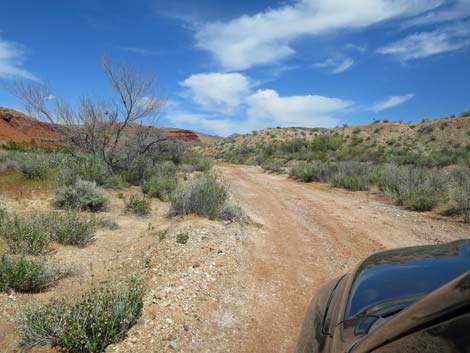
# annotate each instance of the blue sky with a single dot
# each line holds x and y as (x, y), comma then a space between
(241, 65)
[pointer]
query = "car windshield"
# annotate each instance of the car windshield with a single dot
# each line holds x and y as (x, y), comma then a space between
(382, 282)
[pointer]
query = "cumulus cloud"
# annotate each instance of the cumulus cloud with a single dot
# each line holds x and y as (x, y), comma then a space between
(266, 37)
(421, 45)
(391, 102)
(11, 60)
(336, 66)
(268, 108)
(218, 92)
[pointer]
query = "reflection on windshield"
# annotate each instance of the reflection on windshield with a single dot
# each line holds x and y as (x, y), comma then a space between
(414, 276)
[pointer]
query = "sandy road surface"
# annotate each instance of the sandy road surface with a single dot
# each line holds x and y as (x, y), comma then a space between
(310, 234)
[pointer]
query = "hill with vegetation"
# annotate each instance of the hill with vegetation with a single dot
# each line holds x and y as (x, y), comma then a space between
(423, 166)
(432, 142)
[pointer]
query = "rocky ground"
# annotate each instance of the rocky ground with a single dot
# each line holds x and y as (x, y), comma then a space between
(239, 287)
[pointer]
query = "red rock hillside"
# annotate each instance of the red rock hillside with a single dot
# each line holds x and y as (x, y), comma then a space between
(17, 127)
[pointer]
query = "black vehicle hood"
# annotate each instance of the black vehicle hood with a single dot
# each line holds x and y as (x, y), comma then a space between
(405, 275)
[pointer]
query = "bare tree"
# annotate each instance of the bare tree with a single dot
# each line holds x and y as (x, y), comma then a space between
(111, 129)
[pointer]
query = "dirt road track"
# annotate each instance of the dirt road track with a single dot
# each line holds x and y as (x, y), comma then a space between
(311, 233)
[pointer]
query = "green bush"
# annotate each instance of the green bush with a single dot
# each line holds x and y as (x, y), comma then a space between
(203, 196)
(115, 182)
(83, 195)
(182, 238)
(89, 168)
(461, 191)
(136, 171)
(35, 168)
(99, 319)
(72, 228)
(24, 275)
(415, 188)
(26, 235)
(137, 204)
(314, 171)
(160, 187)
(354, 176)
(8, 163)
(272, 166)
(33, 234)
(199, 163)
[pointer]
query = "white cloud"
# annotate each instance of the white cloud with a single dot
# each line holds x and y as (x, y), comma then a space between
(460, 9)
(359, 48)
(424, 44)
(201, 122)
(391, 102)
(266, 37)
(267, 108)
(338, 66)
(11, 60)
(218, 92)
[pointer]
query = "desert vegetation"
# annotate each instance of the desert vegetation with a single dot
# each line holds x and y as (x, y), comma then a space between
(99, 318)
(418, 166)
(101, 150)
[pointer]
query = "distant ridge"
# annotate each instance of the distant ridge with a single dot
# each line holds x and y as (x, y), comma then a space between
(18, 127)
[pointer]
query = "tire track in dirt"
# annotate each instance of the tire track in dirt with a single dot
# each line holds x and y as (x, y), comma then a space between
(311, 233)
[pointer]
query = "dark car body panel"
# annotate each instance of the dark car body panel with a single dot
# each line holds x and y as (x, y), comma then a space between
(384, 288)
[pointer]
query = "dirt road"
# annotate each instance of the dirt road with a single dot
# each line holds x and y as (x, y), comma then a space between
(311, 233)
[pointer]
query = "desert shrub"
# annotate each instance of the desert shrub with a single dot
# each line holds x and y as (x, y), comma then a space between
(353, 176)
(272, 165)
(115, 182)
(163, 233)
(71, 228)
(163, 183)
(186, 168)
(199, 163)
(25, 235)
(83, 195)
(137, 170)
(160, 187)
(100, 318)
(231, 213)
(8, 163)
(88, 167)
(24, 275)
(35, 167)
(182, 238)
(203, 196)
(137, 204)
(414, 188)
(314, 171)
(461, 191)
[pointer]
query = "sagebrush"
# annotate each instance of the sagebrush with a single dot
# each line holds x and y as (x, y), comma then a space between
(100, 318)
(204, 196)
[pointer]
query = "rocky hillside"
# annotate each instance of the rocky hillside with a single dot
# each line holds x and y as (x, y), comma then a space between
(17, 127)
(427, 137)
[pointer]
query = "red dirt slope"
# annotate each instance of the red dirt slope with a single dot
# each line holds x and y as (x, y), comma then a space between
(17, 127)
